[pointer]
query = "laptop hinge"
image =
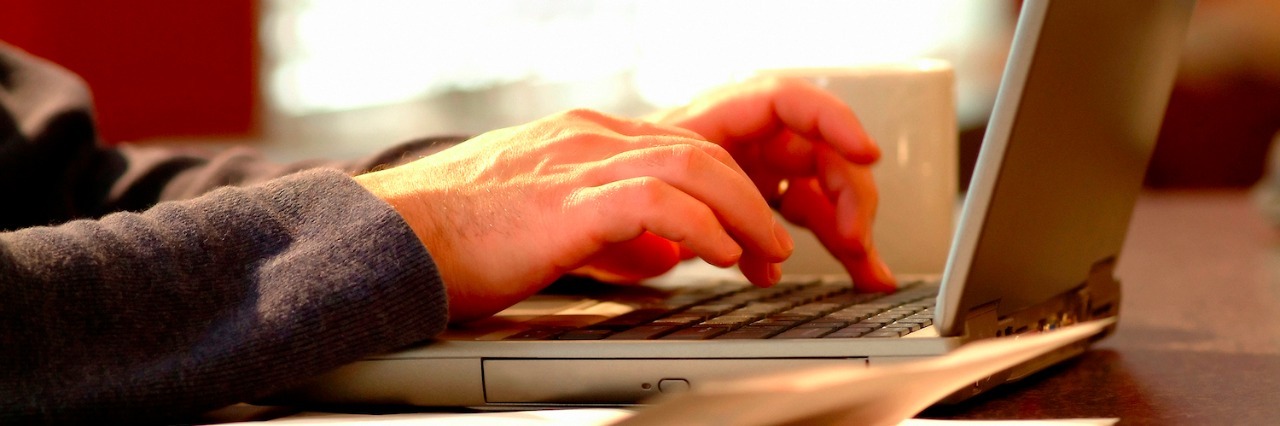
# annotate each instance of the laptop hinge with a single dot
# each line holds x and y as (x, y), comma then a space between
(982, 321)
(1101, 292)
(1097, 297)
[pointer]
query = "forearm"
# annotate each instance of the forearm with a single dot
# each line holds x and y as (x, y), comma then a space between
(197, 304)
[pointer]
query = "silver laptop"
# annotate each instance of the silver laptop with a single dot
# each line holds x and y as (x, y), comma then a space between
(1073, 127)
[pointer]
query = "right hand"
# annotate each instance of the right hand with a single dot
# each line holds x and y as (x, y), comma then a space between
(509, 211)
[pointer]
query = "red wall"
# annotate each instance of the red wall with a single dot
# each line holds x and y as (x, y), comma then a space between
(157, 68)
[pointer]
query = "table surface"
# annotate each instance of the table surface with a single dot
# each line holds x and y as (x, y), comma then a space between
(1199, 335)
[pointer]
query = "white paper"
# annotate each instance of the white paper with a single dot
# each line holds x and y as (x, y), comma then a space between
(843, 394)
(578, 417)
(1056, 422)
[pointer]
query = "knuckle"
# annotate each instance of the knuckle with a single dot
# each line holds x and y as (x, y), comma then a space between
(624, 208)
(784, 85)
(648, 191)
(585, 115)
(682, 158)
(718, 152)
(775, 83)
(682, 153)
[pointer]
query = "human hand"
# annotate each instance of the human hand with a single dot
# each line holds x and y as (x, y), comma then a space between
(807, 153)
(509, 211)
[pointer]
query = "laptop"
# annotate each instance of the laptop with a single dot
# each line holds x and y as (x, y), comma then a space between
(1077, 115)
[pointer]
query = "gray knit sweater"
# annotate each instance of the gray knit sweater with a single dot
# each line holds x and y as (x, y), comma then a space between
(150, 285)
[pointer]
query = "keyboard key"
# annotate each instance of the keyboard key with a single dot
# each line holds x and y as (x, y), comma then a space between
(851, 315)
(817, 308)
(884, 332)
(827, 321)
(697, 332)
(907, 327)
(924, 322)
(887, 317)
(793, 316)
(537, 334)
(681, 319)
(786, 322)
(629, 319)
(873, 323)
(752, 332)
(643, 332)
(584, 335)
(805, 333)
(849, 332)
(712, 310)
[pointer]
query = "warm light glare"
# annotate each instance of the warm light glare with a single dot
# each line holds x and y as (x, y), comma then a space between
(342, 54)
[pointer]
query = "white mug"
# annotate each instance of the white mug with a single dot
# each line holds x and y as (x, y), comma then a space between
(909, 110)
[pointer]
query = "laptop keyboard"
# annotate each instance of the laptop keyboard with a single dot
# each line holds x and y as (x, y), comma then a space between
(790, 310)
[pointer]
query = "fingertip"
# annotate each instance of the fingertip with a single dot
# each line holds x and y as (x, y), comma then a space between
(875, 277)
(765, 277)
(885, 275)
(731, 254)
(775, 273)
(760, 273)
(785, 242)
(876, 286)
(723, 252)
(868, 155)
(868, 271)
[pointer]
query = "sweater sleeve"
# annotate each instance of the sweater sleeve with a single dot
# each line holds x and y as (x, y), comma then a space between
(193, 305)
(55, 168)
(152, 284)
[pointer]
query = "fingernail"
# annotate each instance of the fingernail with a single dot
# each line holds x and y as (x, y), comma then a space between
(784, 238)
(732, 250)
(775, 273)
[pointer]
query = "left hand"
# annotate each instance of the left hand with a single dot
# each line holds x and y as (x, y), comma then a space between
(807, 154)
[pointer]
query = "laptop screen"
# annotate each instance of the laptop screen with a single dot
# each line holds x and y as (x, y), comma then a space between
(1074, 125)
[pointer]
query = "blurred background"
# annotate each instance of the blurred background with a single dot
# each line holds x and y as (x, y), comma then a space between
(341, 78)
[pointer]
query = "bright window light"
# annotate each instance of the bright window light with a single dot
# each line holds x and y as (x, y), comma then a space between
(327, 55)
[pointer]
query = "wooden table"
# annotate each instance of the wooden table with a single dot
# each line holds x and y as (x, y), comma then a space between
(1199, 335)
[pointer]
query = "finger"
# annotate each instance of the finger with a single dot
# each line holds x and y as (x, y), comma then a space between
(685, 253)
(872, 274)
(806, 204)
(820, 115)
(765, 177)
(732, 197)
(784, 156)
(760, 272)
(631, 261)
(788, 154)
(623, 210)
(769, 105)
(853, 189)
(716, 151)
